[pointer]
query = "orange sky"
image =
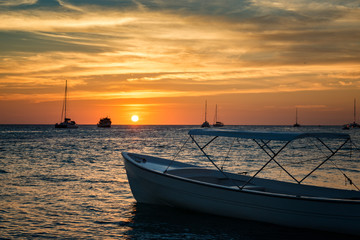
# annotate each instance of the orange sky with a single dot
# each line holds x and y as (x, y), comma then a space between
(258, 60)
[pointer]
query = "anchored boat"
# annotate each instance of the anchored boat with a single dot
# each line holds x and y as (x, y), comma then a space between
(353, 124)
(67, 123)
(216, 122)
(205, 124)
(296, 124)
(155, 180)
(104, 122)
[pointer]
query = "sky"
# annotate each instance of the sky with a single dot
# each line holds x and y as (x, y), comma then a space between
(257, 60)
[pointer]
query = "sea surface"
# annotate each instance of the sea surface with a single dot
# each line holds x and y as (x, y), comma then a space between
(71, 183)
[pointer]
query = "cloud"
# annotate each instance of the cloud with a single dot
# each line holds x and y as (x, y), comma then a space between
(311, 106)
(69, 6)
(180, 48)
(17, 2)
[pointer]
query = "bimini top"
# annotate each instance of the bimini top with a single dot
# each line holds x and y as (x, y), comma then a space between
(280, 136)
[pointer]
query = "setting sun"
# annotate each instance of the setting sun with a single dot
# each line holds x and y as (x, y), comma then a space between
(134, 118)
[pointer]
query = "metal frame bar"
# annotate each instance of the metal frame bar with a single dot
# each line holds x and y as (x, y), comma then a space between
(207, 143)
(325, 145)
(202, 150)
(330, 156)
(265, 147)
(262, 147)
(265, 144)
(271, 158)
(227, 155)
(176, 155)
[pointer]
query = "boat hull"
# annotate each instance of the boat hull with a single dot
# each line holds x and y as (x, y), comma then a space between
(154, 187)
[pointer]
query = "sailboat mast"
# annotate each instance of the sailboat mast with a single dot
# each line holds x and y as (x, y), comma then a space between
(215, 113)
(65, 97)
(205, 109)
(354, 110)
(296, 118)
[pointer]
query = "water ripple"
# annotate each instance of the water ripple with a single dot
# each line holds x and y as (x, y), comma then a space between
(68, 184)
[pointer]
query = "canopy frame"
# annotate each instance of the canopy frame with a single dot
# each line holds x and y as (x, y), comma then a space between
(262, 140)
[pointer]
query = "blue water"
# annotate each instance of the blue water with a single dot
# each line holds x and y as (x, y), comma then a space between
(71, 184)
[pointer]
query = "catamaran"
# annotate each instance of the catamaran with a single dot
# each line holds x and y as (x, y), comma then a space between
(67, 123)
(155, 180)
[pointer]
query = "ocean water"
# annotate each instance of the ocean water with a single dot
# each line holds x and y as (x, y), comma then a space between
(71, 184)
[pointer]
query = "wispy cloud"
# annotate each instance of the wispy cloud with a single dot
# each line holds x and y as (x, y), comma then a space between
(69, 6)
(17, 2)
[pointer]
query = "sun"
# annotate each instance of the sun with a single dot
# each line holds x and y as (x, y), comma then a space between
(134, 118)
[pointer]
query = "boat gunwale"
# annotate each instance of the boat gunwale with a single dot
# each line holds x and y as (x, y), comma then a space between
(247, 191)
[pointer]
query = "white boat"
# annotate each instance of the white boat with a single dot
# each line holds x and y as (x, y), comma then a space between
(67, 123)
(104, 122)
(155, 180)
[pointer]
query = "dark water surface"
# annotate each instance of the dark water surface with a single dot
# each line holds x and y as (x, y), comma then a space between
(71, 184)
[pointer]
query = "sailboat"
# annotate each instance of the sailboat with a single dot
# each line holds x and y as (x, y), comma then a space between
(67, 123)
(354, 124)
(296, 121)
(216, 122)
(205, 124)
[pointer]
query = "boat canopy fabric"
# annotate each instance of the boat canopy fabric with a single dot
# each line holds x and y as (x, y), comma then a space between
(280, 136)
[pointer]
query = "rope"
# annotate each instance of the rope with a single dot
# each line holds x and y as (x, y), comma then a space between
(356, 147)
(346, 177)
(227, 155)
(177, 154)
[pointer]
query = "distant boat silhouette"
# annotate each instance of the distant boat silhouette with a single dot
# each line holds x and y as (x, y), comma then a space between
(104, 122)
(67, 123)
(205, 124)
(296, 120)
(354, 124)
(216, 122)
